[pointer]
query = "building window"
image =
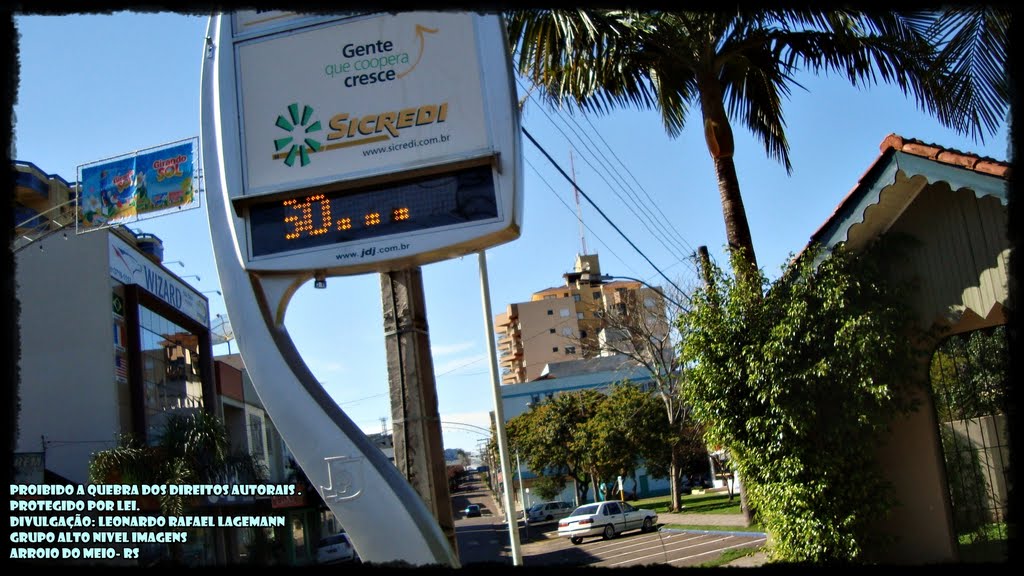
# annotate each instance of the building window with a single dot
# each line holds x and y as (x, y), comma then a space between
(535, 399)
(579, 315)
(564, 312)
(570, 349)
(597, 294)
(170, 376)
(549, 395)
(565, 294)
(648, 302)
(575, 297)
(554, 348)
(551, 330)
(599, 313)
(551, 312)
(583, 333)
(567, 331)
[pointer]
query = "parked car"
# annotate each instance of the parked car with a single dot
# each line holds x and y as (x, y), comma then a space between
(335, 548)
(549, 511)
(472, 511)
(605, 519)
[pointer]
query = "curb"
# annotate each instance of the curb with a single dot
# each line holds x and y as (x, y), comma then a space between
(715, 532)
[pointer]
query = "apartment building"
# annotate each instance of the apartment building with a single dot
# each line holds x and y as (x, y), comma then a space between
(568, 322)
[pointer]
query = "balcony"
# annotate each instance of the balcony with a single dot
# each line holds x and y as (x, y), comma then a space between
(32, 187)
(27, 220)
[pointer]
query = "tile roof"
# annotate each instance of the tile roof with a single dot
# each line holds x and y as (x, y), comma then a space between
(938, 153)
(896, 143)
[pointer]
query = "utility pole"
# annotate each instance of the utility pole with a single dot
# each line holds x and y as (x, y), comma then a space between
(415, 422)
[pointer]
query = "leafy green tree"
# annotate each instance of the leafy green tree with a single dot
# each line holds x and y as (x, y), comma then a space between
(641, 327)
(632, 428)
(548, 487)
(554, 439)
(968, 373)
(622, 417)
(738, 66)
(800, 384)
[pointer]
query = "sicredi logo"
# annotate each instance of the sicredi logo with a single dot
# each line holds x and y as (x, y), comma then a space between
(296, 149)
(348, 130)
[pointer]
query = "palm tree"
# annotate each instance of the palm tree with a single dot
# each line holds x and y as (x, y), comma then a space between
(191, 449)
(974, 41)
(738, 66)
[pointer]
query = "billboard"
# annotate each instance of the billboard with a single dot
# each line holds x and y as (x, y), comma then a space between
(358, 98)
(138, 185)
(353, 144)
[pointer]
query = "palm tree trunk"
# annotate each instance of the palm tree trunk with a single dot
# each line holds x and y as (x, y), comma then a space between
(737, 229)
(718, 135)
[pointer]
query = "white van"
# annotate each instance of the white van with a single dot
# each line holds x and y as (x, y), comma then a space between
(549, 511)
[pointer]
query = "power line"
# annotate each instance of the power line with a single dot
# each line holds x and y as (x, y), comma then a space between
(626, 169)
(668, 231)
(569, 208)
(599, 211)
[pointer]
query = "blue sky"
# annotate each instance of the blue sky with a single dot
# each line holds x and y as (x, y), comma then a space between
(95, 86)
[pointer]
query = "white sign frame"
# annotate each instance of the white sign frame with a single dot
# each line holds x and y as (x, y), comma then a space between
(477, 104)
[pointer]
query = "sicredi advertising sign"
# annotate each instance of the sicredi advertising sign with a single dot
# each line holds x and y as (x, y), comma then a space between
(358, 98)
(352, 144)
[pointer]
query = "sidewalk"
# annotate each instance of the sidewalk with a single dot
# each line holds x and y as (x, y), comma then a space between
(702, 519)
(753, 560)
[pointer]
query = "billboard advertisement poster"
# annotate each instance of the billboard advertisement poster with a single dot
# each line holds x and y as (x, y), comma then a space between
(367, 96)
(145, 183)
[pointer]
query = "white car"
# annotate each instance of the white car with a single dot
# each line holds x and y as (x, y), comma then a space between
(548, 511)
(335, 548)
(605, 519)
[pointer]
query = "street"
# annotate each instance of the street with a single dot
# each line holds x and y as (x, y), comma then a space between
(485, 540)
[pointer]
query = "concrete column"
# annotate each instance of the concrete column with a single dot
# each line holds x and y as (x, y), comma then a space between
(419, 450)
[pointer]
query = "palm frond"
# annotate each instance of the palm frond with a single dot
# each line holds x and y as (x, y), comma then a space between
(585, 58)
(973, 42)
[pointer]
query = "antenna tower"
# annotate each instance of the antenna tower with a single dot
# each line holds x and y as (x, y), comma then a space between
(579, 209)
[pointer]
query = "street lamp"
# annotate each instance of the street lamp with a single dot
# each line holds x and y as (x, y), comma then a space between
(609, 277)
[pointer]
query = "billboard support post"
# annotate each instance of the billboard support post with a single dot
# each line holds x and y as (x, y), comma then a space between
(416, 430)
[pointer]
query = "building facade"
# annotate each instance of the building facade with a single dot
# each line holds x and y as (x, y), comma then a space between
(251, 431)
(565, 322)
(117, 337)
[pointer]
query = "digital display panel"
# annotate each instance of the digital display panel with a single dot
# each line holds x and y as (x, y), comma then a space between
(328, 218)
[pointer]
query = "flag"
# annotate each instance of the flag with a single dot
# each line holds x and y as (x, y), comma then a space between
(118, 334)
(121, 368)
